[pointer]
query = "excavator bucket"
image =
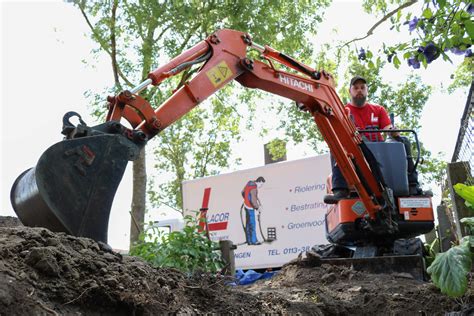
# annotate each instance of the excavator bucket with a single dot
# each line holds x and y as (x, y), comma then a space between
(72, 187)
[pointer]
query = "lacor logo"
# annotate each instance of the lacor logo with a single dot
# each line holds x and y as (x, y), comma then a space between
(218, 221)
(296, 83)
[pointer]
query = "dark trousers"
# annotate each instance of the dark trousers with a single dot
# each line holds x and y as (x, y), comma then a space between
(338, 181)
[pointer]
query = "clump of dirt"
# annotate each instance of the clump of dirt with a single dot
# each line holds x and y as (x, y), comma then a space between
(45, 273)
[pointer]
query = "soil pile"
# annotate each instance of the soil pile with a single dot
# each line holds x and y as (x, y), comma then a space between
(45, 273)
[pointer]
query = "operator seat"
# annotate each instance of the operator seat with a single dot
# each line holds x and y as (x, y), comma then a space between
(392, 160)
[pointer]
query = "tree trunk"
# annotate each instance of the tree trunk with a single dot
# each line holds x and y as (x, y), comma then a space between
(138, 198)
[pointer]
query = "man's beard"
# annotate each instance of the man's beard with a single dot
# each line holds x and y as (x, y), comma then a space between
(359, 101)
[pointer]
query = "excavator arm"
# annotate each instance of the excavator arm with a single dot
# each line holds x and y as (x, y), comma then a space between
(224, 58)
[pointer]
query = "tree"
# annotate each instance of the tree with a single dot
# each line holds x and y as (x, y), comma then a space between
(437, 28)
(138, 35)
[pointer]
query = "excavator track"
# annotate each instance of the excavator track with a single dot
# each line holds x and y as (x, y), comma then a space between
(403, 257)
(407, 266)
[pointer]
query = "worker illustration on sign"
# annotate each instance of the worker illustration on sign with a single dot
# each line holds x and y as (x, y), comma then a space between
(251, 205)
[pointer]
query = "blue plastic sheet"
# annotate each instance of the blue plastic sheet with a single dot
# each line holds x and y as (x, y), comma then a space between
(250, 276)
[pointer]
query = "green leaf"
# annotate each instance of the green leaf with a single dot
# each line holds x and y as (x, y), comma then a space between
(396, 61)
(402, 46)
(427, 13)
(445, 56)
(469, 240)
(464, 191)
(469, 205)
(449, 270)
(469, 28)
(468, 221)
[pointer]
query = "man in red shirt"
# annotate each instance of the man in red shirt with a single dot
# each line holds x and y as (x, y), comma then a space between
(365, 116)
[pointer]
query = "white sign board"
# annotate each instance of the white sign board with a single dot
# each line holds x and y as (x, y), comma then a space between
(292, 210)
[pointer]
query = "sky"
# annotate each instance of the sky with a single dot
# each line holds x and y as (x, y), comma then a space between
(46, 69)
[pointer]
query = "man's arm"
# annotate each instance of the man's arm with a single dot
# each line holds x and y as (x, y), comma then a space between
(386, 123)
(394, 134)
(254, 198)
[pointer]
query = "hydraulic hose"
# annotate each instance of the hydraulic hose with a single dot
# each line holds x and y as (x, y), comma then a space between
(188, 64)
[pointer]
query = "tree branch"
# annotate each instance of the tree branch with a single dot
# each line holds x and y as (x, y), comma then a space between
(113, 43)
(102, 44)
(188, 37)
(162, 33)
(383, 19)
(217, 96)
(210, 146)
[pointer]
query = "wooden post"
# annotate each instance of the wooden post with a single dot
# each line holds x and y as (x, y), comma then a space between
(445, 230)
(458, 172)
(431, 237)
(227, 250)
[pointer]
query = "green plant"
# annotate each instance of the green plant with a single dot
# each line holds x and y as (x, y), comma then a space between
(188, 250)
(449, 271)
(466, 192)
(431, 251)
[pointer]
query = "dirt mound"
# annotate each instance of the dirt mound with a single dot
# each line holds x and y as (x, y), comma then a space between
(44, 273)
(335, 290)
(8, 221)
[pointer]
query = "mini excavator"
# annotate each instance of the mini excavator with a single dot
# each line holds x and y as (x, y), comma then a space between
(72, 187)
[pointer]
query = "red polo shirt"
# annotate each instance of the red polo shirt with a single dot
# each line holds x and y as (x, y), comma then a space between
(370, 116)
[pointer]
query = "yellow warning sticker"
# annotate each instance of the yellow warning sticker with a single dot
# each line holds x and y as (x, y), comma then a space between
(219, 73)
